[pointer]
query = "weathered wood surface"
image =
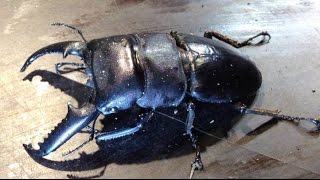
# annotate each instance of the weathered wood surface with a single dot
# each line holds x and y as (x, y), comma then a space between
(289, 63)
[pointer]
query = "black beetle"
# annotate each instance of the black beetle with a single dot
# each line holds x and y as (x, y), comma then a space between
(154, 70)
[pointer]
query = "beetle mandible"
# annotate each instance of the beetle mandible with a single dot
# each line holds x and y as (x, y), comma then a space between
(155, 70)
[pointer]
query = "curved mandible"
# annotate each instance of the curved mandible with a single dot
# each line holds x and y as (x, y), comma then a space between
(75, 120)
(65, 48)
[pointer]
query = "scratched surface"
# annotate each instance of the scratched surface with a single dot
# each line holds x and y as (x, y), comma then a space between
(289, 64)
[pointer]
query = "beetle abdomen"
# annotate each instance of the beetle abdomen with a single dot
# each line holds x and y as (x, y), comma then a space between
(218, 72)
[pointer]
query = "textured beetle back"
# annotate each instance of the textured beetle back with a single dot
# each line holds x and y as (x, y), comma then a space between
(219, 73)
(165, 82)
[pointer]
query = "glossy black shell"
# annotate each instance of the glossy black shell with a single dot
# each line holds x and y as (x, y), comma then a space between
(145, 69)
(151, 70)
(218, 72)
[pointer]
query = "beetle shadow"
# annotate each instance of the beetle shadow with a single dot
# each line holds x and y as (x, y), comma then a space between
(78, 91)
(162, 137)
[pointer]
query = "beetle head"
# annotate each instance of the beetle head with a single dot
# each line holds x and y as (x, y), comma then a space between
(75, 48)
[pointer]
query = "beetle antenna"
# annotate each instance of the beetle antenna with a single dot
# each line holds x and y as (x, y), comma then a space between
(71, 27)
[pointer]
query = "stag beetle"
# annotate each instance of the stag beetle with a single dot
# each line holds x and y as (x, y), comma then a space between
(154, 70)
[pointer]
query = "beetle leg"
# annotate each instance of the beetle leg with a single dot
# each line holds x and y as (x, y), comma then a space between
(313, 122)
(143, 118)
(91, 129)
(180, 43)
(78, 65)
(197, 164)
(235, 43)
(75, 120)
